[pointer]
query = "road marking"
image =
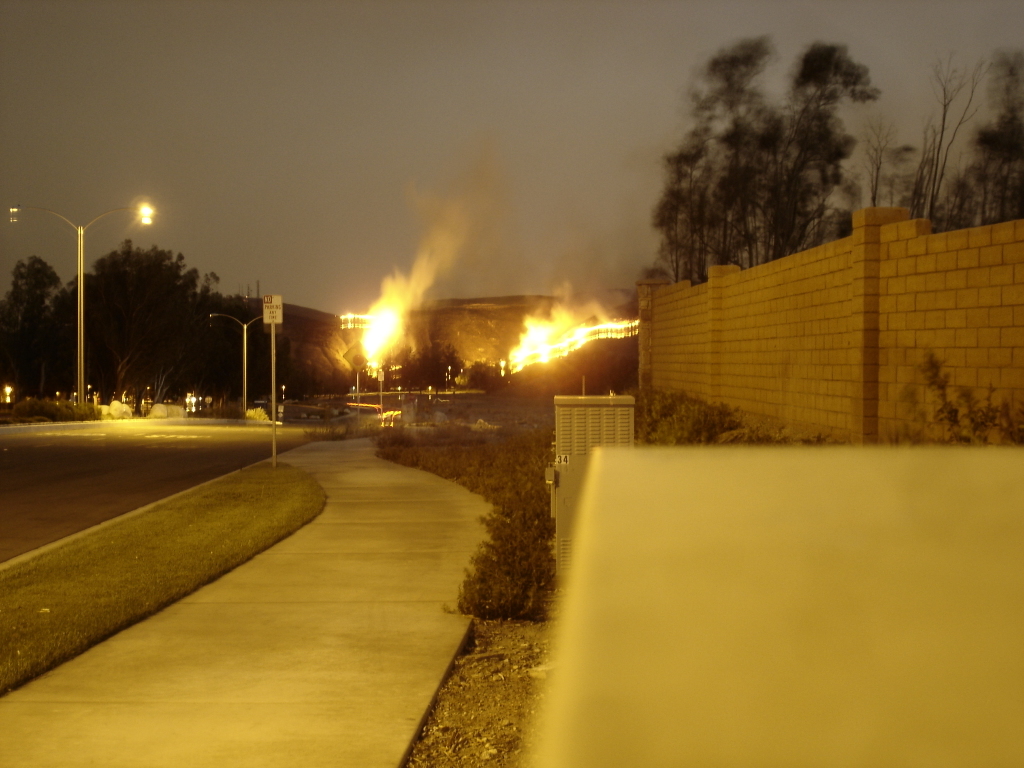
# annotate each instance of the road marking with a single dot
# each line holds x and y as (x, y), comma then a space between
(178, 437)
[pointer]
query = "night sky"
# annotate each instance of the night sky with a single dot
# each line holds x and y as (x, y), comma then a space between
(303, 144)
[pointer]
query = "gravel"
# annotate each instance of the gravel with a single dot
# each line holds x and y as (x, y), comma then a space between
(485, 711)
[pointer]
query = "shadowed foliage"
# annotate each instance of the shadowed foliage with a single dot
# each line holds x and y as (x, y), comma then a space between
(512, 573)
(27, 328)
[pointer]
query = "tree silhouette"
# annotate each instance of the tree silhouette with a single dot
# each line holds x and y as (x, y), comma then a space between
(754, 181)
(145, 311)
(27, 326)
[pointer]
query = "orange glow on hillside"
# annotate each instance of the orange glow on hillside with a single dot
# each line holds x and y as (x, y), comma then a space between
(381, 329)
(355, 321)
(562, 333)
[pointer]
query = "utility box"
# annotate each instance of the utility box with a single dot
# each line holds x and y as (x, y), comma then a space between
(581, 424)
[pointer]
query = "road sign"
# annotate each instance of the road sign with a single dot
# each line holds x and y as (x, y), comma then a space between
(273, 309)
(356, 355)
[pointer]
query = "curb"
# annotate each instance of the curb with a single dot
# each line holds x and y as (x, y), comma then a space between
(14, 429)
(69, 426)
(24, 557)
(470, 626)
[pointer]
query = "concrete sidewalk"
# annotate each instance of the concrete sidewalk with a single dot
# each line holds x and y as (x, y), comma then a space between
(325, 650)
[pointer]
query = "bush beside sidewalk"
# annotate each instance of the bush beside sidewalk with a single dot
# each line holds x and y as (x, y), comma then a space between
(512, 574)
(66, 599)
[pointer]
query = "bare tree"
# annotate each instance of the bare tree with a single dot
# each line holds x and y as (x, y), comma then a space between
(898, 180)
(948, 83)
(878, 137)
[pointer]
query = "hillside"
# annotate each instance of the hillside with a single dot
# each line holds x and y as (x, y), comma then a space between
(479, 329)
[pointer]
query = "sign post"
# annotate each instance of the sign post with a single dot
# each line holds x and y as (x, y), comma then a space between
(356, 357)
(273, 315)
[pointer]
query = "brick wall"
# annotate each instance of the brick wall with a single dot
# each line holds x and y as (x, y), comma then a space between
(959, 294)
(832, 338)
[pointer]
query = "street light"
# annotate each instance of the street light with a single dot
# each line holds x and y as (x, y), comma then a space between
(145, 216)
(245, 354)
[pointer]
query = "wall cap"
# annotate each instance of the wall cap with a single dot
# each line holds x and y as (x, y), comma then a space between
(876, 217)
(720, 270)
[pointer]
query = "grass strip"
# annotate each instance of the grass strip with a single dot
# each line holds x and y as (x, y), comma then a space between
(65, 600)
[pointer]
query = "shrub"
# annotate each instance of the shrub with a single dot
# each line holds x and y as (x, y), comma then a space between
(87, 412)
(1012, 425)
(965, 419)
(326, 429)
(676, 418)
(512, 573)
(482, 375)
(32, 410)
(256, 414)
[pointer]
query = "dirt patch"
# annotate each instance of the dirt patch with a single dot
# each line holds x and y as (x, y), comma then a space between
(485, 710)
(503, 411)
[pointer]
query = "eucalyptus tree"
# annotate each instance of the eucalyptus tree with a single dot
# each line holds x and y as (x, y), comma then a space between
(998, 169)
(754, 179)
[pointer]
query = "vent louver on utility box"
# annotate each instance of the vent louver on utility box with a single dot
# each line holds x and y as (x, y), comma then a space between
(581, 424)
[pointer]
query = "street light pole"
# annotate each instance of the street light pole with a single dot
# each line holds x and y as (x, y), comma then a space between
(245, 355)
(146, 217)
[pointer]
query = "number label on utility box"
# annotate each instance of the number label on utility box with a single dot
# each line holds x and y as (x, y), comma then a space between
(562, 458)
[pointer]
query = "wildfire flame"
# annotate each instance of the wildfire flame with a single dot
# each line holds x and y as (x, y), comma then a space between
(464, 218)
(384, 325)
(562, 333)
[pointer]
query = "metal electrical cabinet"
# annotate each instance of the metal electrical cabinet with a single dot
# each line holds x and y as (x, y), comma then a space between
(581, 423)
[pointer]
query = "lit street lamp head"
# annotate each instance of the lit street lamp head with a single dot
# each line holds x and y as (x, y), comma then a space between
(146, 214)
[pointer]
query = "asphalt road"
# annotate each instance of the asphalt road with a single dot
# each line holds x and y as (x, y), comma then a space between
(54, 483)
